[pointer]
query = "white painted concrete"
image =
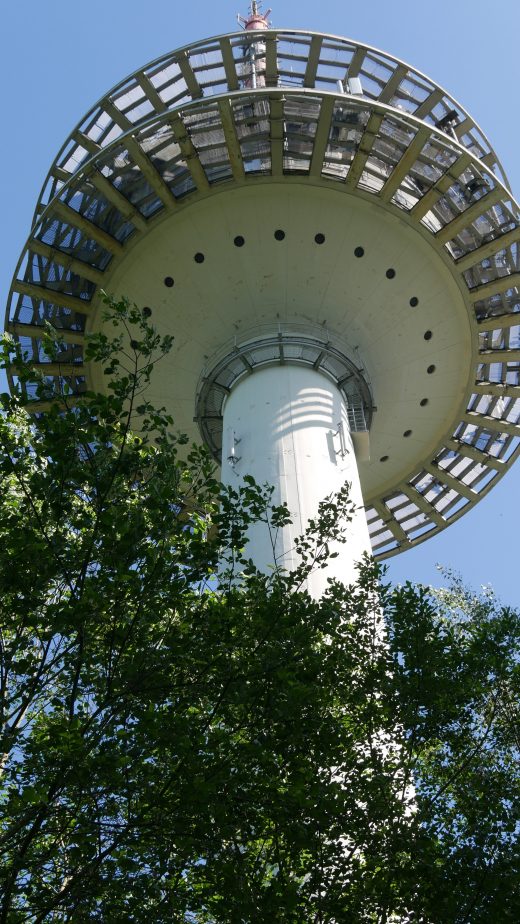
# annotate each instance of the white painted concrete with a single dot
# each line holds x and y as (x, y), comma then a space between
(270, 282)
(279, 426)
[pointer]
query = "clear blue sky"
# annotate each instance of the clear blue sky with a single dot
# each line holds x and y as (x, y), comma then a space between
(58, 57)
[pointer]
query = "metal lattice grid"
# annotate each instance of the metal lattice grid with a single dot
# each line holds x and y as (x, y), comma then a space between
(307, 345)
(177, 129)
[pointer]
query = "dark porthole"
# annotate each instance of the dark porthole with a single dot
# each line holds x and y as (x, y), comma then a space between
(390, 273)
(147, 312)
(359, 252)
(168, 282)
(319, 238)
(279, 234)
(423, 402)
(414, 301)
(199, 258)
(239, 241)
(407, 433)
(428, 335)
(430, 370)
(384, 459)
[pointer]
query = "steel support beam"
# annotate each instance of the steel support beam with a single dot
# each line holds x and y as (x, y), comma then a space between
(36, 331)
(403, 166)
(71, 217)
(469, 215)
(363, 152)
(53, 296)
(488, 250)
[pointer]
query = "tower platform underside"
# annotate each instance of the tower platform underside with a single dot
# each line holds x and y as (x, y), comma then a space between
(369, 217)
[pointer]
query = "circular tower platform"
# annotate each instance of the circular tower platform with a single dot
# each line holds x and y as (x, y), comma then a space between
(280, 198)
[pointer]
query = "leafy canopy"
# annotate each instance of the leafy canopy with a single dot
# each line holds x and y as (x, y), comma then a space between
(184, 739)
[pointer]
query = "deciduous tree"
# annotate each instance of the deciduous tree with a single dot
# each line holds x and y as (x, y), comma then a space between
(185, 739)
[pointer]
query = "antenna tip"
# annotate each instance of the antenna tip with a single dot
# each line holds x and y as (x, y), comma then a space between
(256, 19)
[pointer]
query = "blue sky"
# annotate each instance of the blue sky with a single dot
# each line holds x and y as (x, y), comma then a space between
(58, 58)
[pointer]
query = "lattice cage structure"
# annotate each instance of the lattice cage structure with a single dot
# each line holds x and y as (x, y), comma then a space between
(302, 345)
(326, 111)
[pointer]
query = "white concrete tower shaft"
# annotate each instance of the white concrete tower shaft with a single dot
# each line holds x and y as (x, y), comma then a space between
(287, 426)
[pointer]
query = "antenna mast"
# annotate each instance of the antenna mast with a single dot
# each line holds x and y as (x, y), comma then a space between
(256, 19)
(254, 49)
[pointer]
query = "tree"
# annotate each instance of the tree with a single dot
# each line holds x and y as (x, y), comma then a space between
(185, 739)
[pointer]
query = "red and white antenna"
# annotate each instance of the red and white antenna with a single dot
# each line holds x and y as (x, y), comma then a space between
(256, 19)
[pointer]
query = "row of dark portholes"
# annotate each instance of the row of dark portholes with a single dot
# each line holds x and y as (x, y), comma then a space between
(319, 238)
(279, 235)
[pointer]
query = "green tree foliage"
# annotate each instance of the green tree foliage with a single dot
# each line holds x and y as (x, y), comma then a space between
(186, 740)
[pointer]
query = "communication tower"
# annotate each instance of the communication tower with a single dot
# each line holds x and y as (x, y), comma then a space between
(334, 245)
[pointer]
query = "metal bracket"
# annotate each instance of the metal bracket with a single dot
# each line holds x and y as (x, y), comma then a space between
(342, 442)
(232, 458)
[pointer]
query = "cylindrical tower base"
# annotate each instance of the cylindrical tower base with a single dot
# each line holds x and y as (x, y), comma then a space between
(287, 426)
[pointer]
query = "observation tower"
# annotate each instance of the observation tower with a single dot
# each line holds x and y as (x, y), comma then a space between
(333, 243)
